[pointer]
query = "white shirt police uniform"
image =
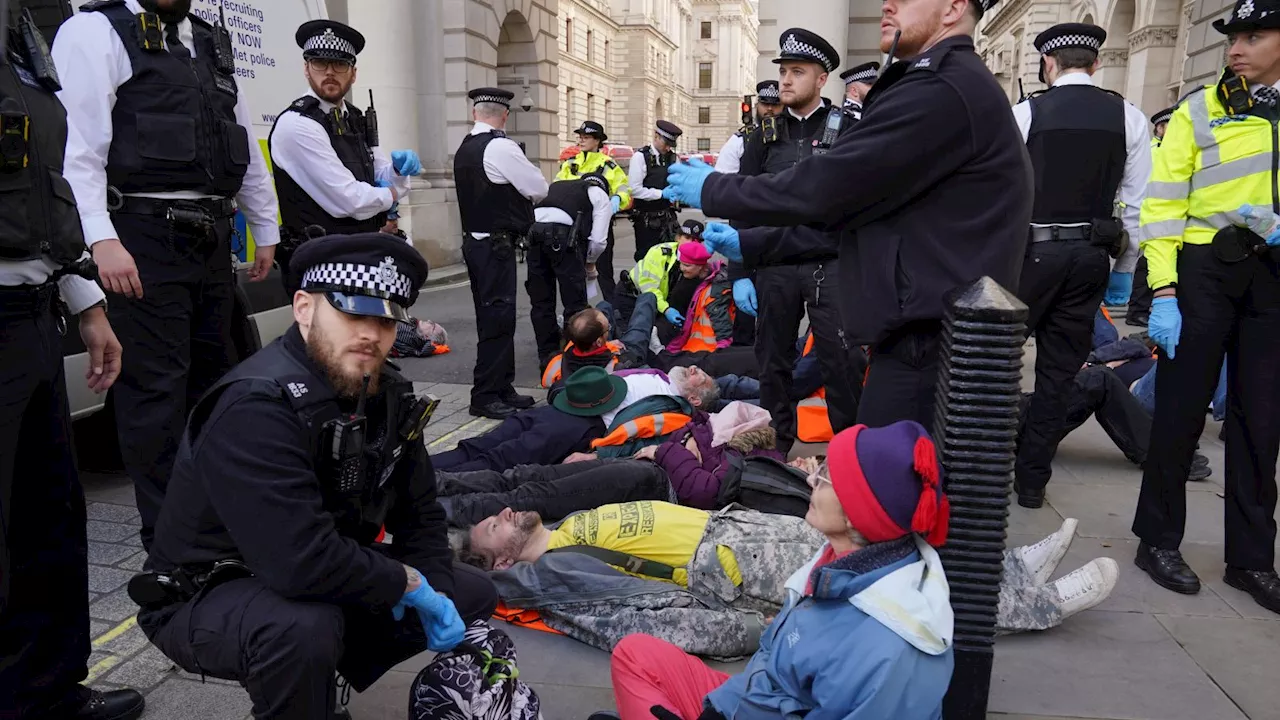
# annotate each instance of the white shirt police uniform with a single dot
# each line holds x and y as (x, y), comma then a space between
(730, 158)
(504, 164)
(601, 215)
(636, 173)
(92, 64)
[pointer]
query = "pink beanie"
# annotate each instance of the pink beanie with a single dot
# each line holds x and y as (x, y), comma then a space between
(694, 253)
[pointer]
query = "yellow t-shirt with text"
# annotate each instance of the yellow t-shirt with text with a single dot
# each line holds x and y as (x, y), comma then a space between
(655, 531)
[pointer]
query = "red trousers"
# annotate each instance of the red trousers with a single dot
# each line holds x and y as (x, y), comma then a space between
(648, 671)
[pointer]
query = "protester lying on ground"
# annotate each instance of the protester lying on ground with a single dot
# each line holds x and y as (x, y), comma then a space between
(420, 338)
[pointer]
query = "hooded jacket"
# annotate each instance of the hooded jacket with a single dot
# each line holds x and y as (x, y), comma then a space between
(697, 483)
(860, 645)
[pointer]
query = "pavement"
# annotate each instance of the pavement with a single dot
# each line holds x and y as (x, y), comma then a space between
(1144, 654)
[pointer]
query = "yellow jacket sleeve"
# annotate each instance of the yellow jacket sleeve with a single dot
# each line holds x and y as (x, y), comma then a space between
(1165, 209)
(565, 173)
(651, 274)
(619, 184)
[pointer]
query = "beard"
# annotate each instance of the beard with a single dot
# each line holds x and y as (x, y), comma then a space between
(324, 352)
(527, 522)
(176, 11)
(804, 97)
(914, 38)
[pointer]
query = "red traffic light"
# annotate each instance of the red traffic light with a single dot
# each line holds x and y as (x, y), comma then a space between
(746, 107)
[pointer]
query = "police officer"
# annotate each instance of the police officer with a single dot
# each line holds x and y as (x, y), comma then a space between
(857, 83)
(929, 193)
(160, 144)
(796, 267)
(1140, 301)
(1217, 290)
(768, 104)
(591, 157)
(570, 230)
(497, 187)
(653, 218)
(1091, 154)
(1159, 123)
(264, 568)
(328, 171)
(45, 272)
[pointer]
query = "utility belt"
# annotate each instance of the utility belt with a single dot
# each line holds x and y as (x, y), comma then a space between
(654, 219)
(1234, 244)
(157, 590)
(1103, 232)
(553, 236)
(292, 238)
(501, 237)
(191, 217)
(25, 301)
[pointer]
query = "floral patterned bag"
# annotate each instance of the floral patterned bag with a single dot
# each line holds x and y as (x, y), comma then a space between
(477, 680)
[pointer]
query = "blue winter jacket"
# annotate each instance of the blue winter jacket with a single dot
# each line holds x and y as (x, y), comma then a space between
(870, 645)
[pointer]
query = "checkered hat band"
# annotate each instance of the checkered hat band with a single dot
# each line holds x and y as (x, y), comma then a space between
(794, 47)
(357, 278)
(864, 76)
(1087, 42)
(1162, 117)
(770, 92)
(331, 45)
(664, 134)
(492, 99)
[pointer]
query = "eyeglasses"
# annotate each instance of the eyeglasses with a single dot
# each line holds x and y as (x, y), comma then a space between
(819, 476)
(322, 65)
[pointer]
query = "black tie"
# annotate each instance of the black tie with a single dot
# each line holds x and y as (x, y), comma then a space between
(174, 43)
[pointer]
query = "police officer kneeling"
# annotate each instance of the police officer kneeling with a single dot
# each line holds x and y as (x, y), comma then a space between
(264, 568)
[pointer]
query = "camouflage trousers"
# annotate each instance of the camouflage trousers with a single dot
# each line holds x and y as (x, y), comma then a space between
(1023, 604)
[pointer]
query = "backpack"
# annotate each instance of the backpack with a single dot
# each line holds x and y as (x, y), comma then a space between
(764, 484)
(477, 680)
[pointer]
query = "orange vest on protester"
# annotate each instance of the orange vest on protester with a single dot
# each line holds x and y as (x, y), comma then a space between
(813, 425)
(647, 426)
(702, 335)
(551, 375)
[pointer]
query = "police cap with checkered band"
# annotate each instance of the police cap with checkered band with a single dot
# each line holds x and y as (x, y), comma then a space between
(329, 40)
(1250, 15)
(1070, 35)
(767, 92)
(492, 95)
(864, 73)
(372, 274)
(800, 45)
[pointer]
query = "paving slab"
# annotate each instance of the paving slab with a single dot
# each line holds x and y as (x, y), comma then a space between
(103, 531)
(1242, 656)
(105, 579)
(114, 607)
(145, 670)
(109, 489)
(1107, 511)
(176, 698)
(1104, 665)
(101, 553)
(111, 512)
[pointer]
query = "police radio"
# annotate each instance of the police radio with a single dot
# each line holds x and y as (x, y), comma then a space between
(38, 56)
(224, 56)
(15, 136)
(831, 131)
(347, 447)
(419, 415)
(371, 124)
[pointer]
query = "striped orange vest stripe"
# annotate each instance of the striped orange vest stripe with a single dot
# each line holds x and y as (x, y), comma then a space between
(702, 337)
(813, 425)
(649, 426)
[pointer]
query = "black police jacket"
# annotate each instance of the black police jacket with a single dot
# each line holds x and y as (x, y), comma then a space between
(932, 190)
(246, 484)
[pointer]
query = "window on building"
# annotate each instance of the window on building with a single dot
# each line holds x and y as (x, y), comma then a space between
(704, 144)
(706, 31)
(704, 76)
(591, 47)
(568, 113)
(568, 37)
(704, 115)
(591, 101)
(606, 119)
(605, 63)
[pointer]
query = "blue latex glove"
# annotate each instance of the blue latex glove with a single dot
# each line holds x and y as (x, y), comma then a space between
(1165, 326)
(674, 317)
(406, 162)
(1119, 288)
(394, 211)
(744, 296)
(684, 182)
(723, 239)
(437, 614)
(616, 203)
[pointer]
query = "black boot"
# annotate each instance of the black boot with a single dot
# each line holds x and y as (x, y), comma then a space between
(112, 705)
(1028, 498)
(1263, 585)
(518, 401)
(496, 410)
(1167, 569)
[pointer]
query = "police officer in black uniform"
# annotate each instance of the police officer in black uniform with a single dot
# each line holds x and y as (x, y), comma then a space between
(266, 567)
(768, 104)
(330, 173)
(857, 83)
(653, 218)
(160, 156)
(1088, 148)
(45, 274)
(497, 187)
(570, 231)
(796, 268)
(931, 192)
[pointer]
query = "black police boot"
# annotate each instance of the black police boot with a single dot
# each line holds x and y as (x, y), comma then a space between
(112, 705)
(518, 401)
(496, 410)
(1028, 498)
(1263, 585)
(1167, 569)
(1200, 469)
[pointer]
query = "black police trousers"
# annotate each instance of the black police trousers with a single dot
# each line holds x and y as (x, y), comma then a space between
(901, 377)
(549, 266)
(44, 572)
(604, 267)
(176, 342)
(647, 237)
(491, 267)
(1098, 392)
(553, 491)
(1231, 308)
(285, 652)
(1062, 283)
(784, 292)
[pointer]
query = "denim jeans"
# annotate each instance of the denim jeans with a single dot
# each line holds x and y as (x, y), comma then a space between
(1145, 392)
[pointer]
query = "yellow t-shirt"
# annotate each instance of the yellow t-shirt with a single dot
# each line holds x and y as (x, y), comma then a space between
(656, 531)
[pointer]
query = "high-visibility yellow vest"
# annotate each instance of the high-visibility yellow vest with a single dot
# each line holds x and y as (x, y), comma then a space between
(1210, 163)
(587, 162)
(652, 273)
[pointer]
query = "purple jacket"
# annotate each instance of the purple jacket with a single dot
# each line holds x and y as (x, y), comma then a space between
(698, 483)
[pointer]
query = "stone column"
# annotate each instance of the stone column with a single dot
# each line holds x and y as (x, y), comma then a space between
(1150, 57)
(386, 66)
(864, 33)
(1113, 69)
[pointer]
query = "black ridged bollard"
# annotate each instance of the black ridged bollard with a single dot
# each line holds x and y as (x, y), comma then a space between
(980, 372)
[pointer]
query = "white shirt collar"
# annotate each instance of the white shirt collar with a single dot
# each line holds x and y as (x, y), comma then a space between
(1074, 78)
(1253, 87)
(797, 116)
(481, 128)
(325, 105)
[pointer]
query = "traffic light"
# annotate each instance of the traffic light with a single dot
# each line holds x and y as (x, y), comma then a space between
(747, 117)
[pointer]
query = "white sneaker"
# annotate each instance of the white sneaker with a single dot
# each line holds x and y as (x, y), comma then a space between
(1086, 586)
(1043, 557)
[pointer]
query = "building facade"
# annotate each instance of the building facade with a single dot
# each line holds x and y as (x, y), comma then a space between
(851, 26)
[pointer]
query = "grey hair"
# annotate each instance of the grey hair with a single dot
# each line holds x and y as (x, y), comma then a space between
(857, 538)
(490, 109)
(708, 396)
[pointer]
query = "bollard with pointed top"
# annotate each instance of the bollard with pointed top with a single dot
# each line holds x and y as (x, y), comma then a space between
(979, 385)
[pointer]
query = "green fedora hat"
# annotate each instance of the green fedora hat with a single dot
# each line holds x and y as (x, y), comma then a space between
(590, 392)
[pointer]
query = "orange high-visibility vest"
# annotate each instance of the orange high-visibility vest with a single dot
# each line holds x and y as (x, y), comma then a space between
(813, 424)
(702, 336)
(649, 426)
(551, 375)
